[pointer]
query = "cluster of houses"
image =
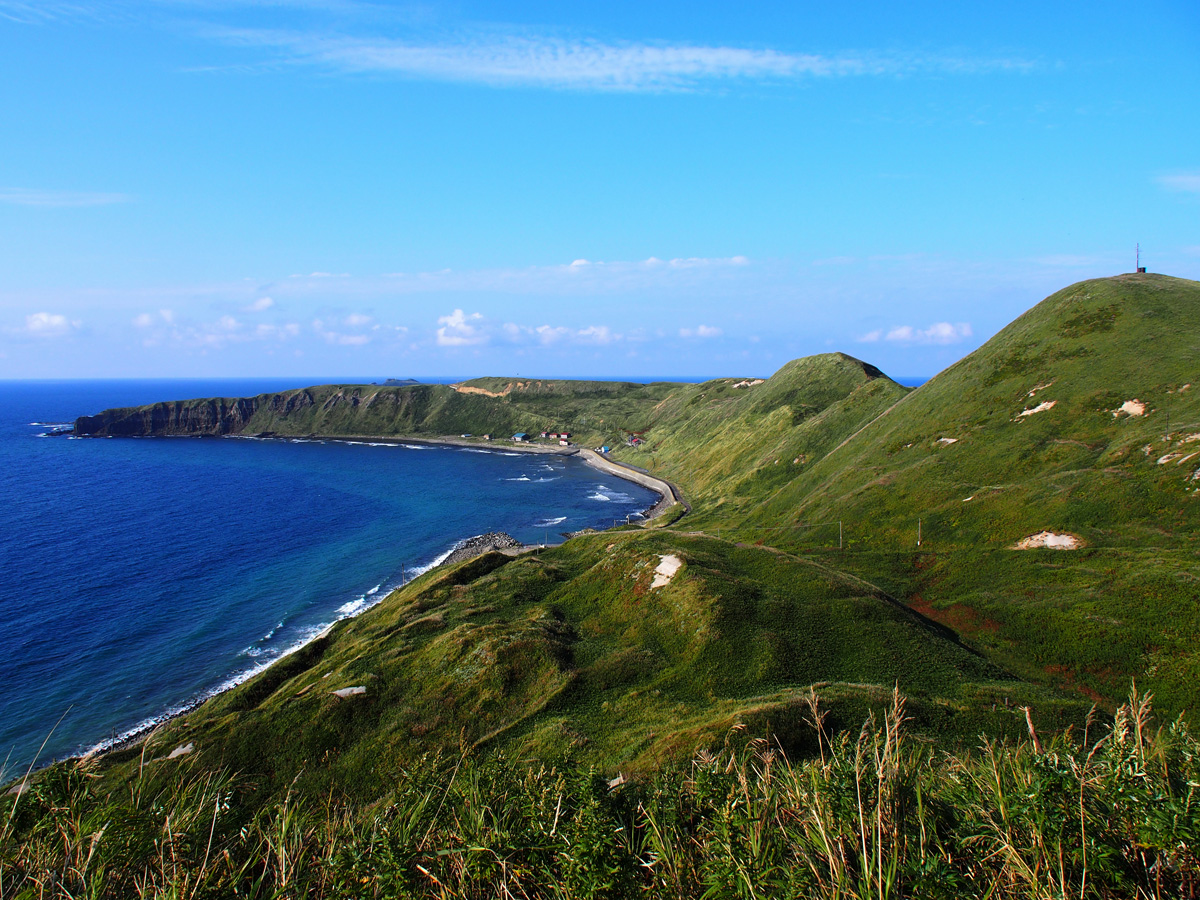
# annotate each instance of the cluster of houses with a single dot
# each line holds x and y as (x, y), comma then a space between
(563, 437)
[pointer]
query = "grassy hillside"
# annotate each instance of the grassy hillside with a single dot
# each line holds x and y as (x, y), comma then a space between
(577, 652)
(731, 442)
(969, 454)
(457, 739)
(957, 459)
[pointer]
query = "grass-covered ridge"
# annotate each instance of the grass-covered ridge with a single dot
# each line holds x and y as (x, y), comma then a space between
(487, 706)
(576, 652)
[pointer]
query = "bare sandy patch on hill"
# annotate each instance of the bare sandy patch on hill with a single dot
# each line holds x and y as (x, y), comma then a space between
(665, 570)
(1049, 540)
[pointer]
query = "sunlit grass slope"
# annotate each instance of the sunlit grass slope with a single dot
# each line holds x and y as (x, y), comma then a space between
(1059, 422)
(577, 652)
(733, 442)
(1080, 418)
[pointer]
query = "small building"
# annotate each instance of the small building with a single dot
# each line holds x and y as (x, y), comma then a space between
(605, 449)
(563, 442)
(547, 434)
(487, 437)
(521, 437)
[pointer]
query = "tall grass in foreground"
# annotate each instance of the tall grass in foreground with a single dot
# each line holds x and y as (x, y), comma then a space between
(1112, 812)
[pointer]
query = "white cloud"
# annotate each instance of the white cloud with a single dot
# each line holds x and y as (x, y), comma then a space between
(29, 197)
(548, 335)
(48, 325)
(937, 333)
(596, 334)
(870, 337)
(342, 338)
(458, 331)
(1187, 182)
(526, 59)
(262, 304)
(149, 320)
(163, 327)
(700, 331)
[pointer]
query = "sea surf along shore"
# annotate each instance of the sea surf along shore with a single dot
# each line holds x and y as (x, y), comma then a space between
(463, 549)
(146, 560)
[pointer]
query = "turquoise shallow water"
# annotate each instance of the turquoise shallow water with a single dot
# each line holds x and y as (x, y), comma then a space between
(140, 575)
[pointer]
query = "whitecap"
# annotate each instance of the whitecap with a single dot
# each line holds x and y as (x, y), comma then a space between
(549, 523)
(598, 496)
(522, 478)
(417, 571)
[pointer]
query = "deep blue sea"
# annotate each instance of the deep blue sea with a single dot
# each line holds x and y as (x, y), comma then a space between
(141, 574)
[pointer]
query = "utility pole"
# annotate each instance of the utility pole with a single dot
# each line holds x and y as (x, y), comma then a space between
(839, 534)
(918, 532)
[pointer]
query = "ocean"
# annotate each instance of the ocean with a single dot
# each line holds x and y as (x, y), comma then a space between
(141, 575)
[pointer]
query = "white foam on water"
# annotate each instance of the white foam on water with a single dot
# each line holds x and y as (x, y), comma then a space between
(421, 570)
(522, 478)
(354, 606)
(375, 590)
(545, 480)
(415, 446)
(547, 523)
(599, 496)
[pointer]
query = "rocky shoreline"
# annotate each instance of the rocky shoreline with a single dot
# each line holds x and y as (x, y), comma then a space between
(480, 544)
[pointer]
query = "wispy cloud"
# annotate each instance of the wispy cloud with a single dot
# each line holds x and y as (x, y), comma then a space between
(262, 304)
(44, 325)
(700, 331)
(549, 61)
(164, 327)
(1187, 182)
(29, 197)
(937, 333)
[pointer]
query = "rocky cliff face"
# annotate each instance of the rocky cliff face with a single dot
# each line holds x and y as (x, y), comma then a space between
(216, 416)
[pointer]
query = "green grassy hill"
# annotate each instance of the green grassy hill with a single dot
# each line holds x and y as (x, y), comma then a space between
(457, 738)
(1028, 433)
(731, 442)
(577, 652)
(1059, 423)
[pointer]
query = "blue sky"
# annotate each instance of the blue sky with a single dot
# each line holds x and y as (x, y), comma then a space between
(318, 187)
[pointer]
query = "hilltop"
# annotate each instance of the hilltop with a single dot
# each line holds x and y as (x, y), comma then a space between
(862, 563)
(1054, 430)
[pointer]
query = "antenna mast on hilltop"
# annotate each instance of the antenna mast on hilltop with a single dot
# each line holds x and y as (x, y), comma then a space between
(1138, 267)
